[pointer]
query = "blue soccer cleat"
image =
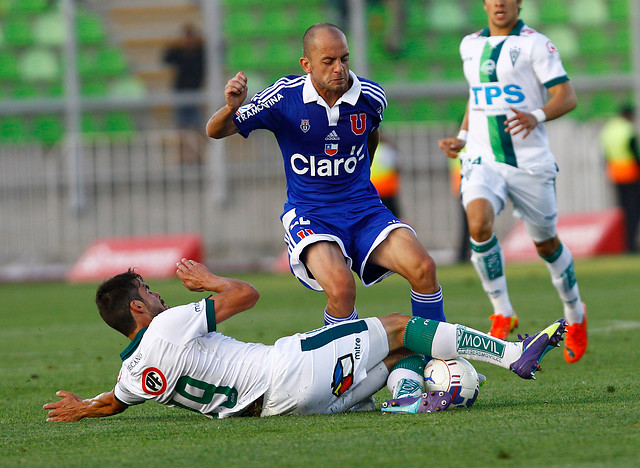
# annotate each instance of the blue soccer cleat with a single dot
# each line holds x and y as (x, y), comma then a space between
(535, 347)
(428, 402)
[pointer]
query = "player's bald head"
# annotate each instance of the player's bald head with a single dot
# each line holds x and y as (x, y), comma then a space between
(310, 37)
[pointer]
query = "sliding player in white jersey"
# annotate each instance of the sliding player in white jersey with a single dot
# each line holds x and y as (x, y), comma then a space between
(326, 124)
(177, 358)
(510, 68)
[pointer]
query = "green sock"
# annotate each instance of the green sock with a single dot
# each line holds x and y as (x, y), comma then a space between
(419, 333)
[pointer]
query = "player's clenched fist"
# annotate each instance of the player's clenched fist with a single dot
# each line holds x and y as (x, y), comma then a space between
(235, 92)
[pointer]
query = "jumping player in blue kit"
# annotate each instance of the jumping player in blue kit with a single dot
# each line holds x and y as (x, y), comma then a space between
(326, 124)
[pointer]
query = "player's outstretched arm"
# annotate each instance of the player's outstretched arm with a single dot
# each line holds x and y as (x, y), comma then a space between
(221, 124)
(73, 408)
(234, 296)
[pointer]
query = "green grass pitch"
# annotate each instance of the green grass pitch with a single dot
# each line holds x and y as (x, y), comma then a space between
(582, 415)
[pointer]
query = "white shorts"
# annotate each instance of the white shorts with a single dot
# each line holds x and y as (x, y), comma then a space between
(317, 370)
(533, 194)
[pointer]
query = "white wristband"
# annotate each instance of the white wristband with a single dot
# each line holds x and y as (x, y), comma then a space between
(539, 115)
(462, 135)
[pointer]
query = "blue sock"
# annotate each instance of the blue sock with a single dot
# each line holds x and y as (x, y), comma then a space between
(428, 306)
(330, 319)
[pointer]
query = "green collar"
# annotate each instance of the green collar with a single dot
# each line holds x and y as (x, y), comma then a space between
(517, 29)
(133, 345)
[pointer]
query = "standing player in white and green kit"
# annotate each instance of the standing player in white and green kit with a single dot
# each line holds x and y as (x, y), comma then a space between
(511, 69)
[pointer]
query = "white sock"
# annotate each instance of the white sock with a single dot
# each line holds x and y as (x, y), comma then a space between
(451, 341)
(488, 259)
(404, 383)
(563, 277)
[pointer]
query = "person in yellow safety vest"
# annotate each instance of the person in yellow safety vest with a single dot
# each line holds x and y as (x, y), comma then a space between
(385, 176)
(620, 145)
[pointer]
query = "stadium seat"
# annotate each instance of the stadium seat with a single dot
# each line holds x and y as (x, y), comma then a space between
(416, 21)
(127, 87)
(425, 110)
(417, 72)
(90, 28)
(395, 112)
(13, 130)
(622, 38)
(28, 7)
(619, 9)
(119, 124)
(25, 90)
(49, 29)
(87, 62)
(90, 124)
(244, 55)
(17, 31)
(589, 12)
(276, 22)
(49, 129)
(606, 103)
(241, 24)
(94, 87)
(8, 66)
(111, 61)
(595, 41)
(553, 11)
(39, 65)
(446, 16)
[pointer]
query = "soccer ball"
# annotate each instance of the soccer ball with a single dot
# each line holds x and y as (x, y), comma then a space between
(456, 376)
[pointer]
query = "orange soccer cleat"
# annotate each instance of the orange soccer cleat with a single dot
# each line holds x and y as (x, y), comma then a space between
(501, 325)
(575, 343)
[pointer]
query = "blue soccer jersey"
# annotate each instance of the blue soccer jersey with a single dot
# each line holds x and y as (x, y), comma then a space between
(324, 148)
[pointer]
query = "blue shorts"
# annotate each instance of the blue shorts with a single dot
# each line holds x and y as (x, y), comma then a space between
(356, 229)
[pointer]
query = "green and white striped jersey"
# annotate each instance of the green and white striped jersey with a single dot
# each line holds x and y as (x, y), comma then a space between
(503, 72)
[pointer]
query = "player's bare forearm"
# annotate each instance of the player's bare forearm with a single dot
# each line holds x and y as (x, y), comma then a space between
(221, 124)
(234, 296)
(73, 408)
(563, 100)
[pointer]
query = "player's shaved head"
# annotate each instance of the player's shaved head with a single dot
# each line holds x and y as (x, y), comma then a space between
(309, 38)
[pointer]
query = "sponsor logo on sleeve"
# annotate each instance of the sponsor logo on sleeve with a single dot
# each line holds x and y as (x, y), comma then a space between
(153, 381)
(253, 108)
(342, 375)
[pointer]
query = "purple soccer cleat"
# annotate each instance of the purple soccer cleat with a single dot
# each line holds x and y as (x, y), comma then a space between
(535, 347)
(428, 402)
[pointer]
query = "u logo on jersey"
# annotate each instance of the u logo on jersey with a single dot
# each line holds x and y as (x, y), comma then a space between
(358, 123)
(331, 149)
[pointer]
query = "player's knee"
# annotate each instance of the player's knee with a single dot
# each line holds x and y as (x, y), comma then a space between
(480, 229)
(341, 290)
(395, 324)
(548, 247)
(423, 276)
